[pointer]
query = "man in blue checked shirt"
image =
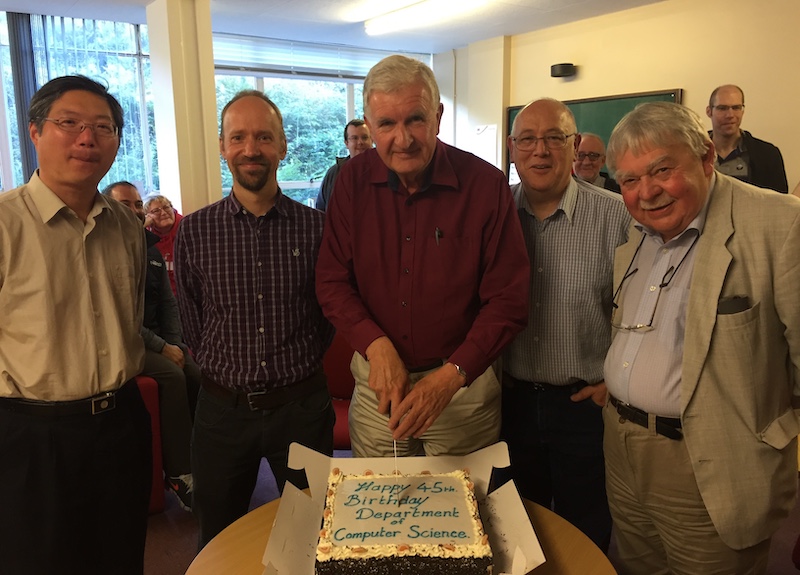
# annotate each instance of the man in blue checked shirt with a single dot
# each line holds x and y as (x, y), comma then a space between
(245, 274)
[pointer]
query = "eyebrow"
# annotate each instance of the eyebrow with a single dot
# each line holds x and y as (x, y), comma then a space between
(622, 175)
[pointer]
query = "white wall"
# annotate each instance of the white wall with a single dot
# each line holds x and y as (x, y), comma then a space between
(695, 45)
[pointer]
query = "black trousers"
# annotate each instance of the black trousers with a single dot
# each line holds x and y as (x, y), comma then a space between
(74, 490)
(229, 441)
(556, 451)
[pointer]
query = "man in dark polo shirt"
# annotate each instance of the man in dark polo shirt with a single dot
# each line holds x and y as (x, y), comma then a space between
(739, 154)
(245, 273)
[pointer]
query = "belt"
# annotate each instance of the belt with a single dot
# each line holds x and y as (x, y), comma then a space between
(269, 399)
(94, 405)
(511, 382)
(428, 367)
(667, 426)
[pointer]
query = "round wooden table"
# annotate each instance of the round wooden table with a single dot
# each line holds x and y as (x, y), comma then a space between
(239, 548)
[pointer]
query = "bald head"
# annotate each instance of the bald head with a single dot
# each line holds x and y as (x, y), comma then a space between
(542, 145)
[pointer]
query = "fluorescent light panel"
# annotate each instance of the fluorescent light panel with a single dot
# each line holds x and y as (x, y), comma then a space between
(420, 15)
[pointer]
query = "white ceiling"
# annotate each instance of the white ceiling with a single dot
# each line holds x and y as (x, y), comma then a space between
(331, 21)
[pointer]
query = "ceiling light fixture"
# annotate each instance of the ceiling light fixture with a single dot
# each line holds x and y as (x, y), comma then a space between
(419, 15)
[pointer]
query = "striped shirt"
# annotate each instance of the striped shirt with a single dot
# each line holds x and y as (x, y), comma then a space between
(246, 293)
(572, 268)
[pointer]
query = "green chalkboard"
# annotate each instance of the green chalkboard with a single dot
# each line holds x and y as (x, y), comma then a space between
(600, 115)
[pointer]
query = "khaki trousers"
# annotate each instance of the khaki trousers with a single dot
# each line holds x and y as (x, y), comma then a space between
(470, 422)
(660, 523)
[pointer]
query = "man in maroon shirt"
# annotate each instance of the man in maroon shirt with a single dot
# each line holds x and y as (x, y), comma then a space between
(423, 268)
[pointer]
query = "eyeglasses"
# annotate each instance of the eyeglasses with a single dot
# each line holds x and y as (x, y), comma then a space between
(551, 142)
(723, 108)
(665, 281)
(354, 139)
(593, 156)
(161, 210)
(102, 129)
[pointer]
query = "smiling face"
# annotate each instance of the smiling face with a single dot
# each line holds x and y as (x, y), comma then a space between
(544, 170)
(664, 188)
(404, 125)
(587, 168)
(253, 144)
(75, 161)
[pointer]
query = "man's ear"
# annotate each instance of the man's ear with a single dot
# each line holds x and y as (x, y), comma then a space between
(709, 109)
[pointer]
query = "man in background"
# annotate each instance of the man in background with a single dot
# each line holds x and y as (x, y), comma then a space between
(245, 272)
(704, 367)
(739, 154)
(590, 158)
(167, 359)
(357, 140)
(75, 441)
(423, 270)
(553, 387)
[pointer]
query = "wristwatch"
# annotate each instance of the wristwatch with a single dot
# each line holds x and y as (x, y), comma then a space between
(462, 373)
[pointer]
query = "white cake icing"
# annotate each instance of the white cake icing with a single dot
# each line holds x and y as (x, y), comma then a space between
(425, 515)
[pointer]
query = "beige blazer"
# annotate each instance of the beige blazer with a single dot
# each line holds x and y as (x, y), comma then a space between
(741, 364)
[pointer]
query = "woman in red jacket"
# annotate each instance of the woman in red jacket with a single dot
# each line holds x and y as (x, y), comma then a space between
(163, 220)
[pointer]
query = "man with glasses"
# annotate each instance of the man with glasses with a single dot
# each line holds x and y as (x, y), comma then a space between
(553, 386)
(590, 158)
(704, 367)
(739, 154)
(357, 140)
(75, 440)
(423, 270)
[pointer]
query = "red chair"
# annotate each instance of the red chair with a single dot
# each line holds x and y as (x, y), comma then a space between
(336, 365)
(149, 390)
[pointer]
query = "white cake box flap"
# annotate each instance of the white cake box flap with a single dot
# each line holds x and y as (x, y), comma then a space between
(291, 549)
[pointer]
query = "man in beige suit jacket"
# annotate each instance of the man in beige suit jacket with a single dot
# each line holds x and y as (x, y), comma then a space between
(700, 433)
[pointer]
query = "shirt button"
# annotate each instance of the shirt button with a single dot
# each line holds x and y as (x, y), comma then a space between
(405, 271)
(260, 296)
(653, 288)
(625, 364)
(259, 264)
(263, 363)
(404, 304)
(261, 330)
(536, 338)
(103, 351)
(408, 238)
(540, 270)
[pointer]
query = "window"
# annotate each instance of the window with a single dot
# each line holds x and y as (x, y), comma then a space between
(318, 89)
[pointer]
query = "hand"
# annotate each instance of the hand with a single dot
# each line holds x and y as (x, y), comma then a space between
(148, 220)
(423, 404)
(388, 376)
(597, 392)
(174, 354)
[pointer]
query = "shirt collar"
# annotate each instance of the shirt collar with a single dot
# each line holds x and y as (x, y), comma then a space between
(439, 173)
(235, 207)
(567, 203)
(48, 204)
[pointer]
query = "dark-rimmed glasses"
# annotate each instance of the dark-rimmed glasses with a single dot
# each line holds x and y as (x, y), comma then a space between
(102, 129)
(665, 281)
(592, 156)
(551, 142)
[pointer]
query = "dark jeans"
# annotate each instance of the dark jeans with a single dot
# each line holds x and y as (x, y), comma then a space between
(556, 450)
(74, 490)
(177, 396)
(229, 442)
